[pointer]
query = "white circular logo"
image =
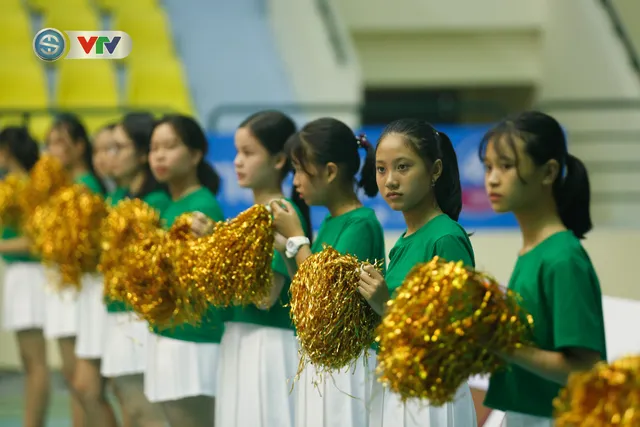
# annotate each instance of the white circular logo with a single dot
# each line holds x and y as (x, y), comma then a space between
(49, 44)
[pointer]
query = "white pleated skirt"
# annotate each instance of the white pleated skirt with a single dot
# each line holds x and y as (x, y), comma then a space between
(257, 365)
(61, 308)
(388, 411)
(340, 400)
(23, 296)
(515, 419)
(179, 369)
(92, 314)
(125, 345)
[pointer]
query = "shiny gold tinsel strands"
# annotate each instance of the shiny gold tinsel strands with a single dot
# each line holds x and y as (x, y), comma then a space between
(69, 232)
(607, 395)
(233, 265)
(130, 220)
(11, 192)
(47, 177)
(445, 324)
(334, 323)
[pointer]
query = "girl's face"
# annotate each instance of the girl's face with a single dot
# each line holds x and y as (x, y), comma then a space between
(512, 180)
(170, 159)
(61, 146)
(126, 160)
(402, 176)
(5, 159)
(314, 182)
(255, 166)
(103, 153)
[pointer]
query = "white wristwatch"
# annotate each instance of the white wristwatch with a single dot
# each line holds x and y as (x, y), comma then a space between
(294, 244)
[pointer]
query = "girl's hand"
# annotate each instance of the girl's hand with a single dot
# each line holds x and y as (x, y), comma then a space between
(285, 219)
(201, 225)
(374, 289)
(280, 243)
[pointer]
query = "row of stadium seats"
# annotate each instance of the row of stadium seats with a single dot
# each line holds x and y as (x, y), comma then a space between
(154, 75)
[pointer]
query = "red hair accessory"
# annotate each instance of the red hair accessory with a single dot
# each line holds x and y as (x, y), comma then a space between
(363, 142)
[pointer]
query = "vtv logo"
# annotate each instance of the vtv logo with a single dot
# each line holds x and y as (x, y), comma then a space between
(50, 44)
(98, 45)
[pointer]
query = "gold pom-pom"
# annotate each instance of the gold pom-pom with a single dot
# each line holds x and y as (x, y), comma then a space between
(334, 323)
(146, 275)
(233, 265)
(68, 232)
(11, 193)
(607, 395)
(47, 177)
(130, 220)
(446, 324)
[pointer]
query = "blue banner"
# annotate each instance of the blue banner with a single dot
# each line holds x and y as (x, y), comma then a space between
(476, 211)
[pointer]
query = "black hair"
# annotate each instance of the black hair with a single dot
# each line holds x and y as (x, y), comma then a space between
(328, 140)
(273, 129)
(22, 146)
(432, 145)
(108, 126)
(192, 135)
(78, 134)
(544, 140)
(139, 127)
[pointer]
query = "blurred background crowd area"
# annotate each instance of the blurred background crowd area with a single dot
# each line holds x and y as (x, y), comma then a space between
(461, 64)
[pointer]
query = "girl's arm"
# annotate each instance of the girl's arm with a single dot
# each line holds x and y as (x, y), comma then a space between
(15, 246)
(553, 365)
(276, 288)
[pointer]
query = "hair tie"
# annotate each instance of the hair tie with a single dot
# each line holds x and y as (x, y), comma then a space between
(362, 141)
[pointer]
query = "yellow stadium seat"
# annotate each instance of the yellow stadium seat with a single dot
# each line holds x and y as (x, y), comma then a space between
(115, 5)
(16, 31)
(68, 6)
(149, 30)
(159, 84)
(80, 19)
(10, 6)
(86, 83)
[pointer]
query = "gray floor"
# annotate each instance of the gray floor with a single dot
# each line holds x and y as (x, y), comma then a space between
(11, 401)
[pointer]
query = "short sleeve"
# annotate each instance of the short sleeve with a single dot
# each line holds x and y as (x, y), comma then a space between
(359, 239)
(454, 248)
(575, 301)
(212, 210)
(158, 200)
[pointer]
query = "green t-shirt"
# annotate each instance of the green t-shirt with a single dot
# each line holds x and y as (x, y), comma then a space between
(277, 316)
(441, 236)
(212, 326)
(11, 233)
(159, 200)
(560, 289)
(91, 182)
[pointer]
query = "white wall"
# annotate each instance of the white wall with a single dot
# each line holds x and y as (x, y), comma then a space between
(305, 46)
(612, 252)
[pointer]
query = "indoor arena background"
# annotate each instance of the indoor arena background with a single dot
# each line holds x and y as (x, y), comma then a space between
(461, 64)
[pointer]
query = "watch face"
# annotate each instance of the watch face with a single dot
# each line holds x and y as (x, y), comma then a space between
(291, 245)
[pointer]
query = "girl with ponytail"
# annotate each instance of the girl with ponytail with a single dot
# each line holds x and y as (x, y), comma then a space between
(417, 173)
(529, 172)
(258, 336)
(326, 160)
(182, 362)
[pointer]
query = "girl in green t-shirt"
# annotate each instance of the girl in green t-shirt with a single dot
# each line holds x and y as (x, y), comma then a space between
(123, 337)
(24, 284)
(417, 173)
(182, 362)
(529, 172)
(326, 159)
(258, 348)
(71, 317)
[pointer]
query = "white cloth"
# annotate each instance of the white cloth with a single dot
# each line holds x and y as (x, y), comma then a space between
(388, 411)
(61, 308)
(92, 314)
(340, 400)
(515, 419)
(257, 365)
(125, 345)
(24, 296)
(179, 369)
